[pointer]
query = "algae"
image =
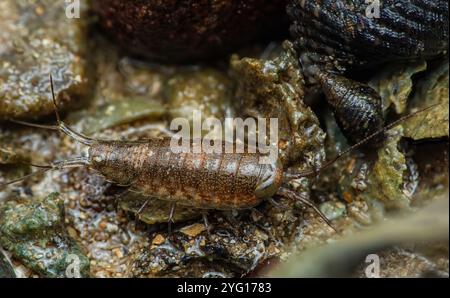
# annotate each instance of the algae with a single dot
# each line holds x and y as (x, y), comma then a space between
(33, 231)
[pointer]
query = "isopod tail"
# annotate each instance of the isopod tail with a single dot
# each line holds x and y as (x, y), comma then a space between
(356, 106)
(61, 125)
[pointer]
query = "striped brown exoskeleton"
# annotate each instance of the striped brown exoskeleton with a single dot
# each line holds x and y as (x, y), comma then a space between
(334, 36)
(220, 181)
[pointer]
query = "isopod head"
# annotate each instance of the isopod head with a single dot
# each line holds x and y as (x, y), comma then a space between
(112, 160)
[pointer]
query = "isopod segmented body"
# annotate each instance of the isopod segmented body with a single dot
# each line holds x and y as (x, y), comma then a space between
(332, 36)
(202, 180)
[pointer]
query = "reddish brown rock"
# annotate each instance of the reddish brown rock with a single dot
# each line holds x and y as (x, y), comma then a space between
(190, 30)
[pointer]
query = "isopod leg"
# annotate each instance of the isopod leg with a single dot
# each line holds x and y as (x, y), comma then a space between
(276, 204)
(206, 223)
(170, 221)
(138, 213)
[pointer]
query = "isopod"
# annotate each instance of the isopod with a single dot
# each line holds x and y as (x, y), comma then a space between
(225, 181)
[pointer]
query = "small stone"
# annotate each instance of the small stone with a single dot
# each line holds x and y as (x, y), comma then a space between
(360, 213)
(124, 238)
(102, 225)
(256, 215)
(118, 252)
(72, 232)
(275, 89)
(261, 235)
(348, 197)
(111, 228)
(34, 232)
(332, 210)
(6, 270)
(193, 230)
(158, 240)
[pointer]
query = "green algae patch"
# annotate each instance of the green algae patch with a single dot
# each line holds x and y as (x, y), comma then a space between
(432, 90)
(34, 232)
(395, 83)
(386, 178)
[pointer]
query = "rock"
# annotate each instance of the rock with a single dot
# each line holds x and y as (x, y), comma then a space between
(8, 156)
(385, 181)
(117, 113)
(333, 210)
(275, 89)
(37, 39)
(155, 211)
(203, 89)
(193, 230)
(14, 162)
(394, 83)
(125, 92)
(6, 270)
(431, 90)
(158, 240)
(129, 90)
(34, 232)
(174, 31)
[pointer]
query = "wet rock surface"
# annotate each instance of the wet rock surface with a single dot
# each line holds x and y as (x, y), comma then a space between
(37, 39)
(395, 83)
(34, 232)
(6, 269)
(275, 89)
(398, 245)
(205, 90)
(240, 242)
(154, 211)
(433, 88)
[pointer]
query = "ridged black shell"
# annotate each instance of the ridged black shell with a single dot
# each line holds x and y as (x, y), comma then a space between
(334, 34)
(331, 36)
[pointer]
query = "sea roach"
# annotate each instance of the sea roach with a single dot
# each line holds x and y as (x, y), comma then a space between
(225, 181)
(332, 36)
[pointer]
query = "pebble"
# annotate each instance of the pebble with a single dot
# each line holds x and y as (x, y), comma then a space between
(193, 230)
(158, 240)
